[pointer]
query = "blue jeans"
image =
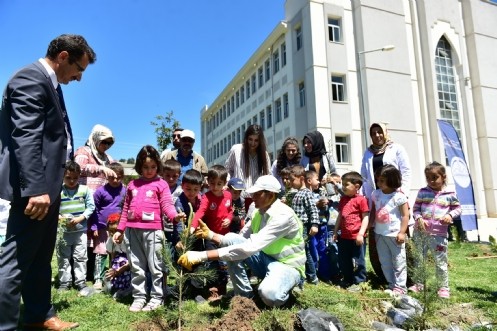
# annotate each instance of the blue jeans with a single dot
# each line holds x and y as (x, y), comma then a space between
(278, 279)
(351, 261)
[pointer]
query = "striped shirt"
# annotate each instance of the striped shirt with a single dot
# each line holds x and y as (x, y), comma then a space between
(235, 164)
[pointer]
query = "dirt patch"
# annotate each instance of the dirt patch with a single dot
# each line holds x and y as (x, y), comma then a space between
(242, 313)
(462, 313)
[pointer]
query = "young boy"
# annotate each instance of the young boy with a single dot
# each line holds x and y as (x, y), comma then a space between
(289, 192)
(352, 222)
(305, 208)
(217, 212)
(171, 171)
(109, 200)
(75, 208)
(235, 187)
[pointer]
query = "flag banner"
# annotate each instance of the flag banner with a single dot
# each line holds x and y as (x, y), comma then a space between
(460, 174)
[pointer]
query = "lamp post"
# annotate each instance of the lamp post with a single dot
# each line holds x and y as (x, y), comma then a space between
(361, 87)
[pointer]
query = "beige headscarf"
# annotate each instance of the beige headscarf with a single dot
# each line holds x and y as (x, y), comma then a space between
(375, 149)
(97, 135)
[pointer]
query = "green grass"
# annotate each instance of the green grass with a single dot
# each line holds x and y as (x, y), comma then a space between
(472, 283)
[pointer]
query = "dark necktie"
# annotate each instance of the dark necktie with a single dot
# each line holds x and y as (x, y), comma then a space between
(66, 121)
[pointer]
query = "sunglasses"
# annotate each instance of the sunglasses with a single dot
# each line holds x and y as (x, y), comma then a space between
(106, 142)
(176, 135)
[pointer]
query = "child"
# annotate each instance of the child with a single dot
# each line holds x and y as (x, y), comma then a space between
(119, 273)
(305, 208)
(75, 208)
(434, 210)
(352, 222)
(319, 244)
(147, 198)
(235, 187)
(191, 185)
(109, 200)
(171, 171)
(390, 215)
(287, 195)
(216, 211)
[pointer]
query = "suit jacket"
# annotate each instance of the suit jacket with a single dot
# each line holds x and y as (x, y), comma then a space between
(33, 140)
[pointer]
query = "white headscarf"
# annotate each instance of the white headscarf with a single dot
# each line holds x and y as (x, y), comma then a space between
(97, 135)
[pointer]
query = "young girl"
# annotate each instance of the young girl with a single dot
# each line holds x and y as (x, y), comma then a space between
(433, 211)
(390, 214)
(119, 273)
(147, 198)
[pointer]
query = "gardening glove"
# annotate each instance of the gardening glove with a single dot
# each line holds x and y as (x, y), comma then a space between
(191, 258)
(203, 231)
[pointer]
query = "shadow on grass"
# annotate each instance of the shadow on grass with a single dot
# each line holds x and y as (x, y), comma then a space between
(479, 292)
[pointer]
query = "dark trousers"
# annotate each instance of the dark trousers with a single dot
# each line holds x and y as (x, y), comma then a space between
(351, 261)
(25, 268)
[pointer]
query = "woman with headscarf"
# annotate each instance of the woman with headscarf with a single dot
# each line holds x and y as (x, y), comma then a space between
(288, 155)
(381, 152)
(93, 160)
(315, 155)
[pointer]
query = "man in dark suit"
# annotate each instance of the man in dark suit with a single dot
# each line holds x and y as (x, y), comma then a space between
(35, 141)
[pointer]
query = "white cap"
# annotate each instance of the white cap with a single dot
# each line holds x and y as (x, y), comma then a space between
(265, 183)
(187, 134)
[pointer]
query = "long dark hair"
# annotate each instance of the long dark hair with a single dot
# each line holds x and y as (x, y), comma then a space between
(281, 160)
(262, 165)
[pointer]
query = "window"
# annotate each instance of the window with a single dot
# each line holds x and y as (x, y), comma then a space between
(225, 149)
(254, 119)
(276, 62)
(247, 88)
(224, 112)
(334, 30)
(233, 138)
(261, 76)
(446, 85)
(237, 99)
(254, 83)
(229, 140)
(242, 95)
(286, 108)
(342, 146)
(283, 55)
(262, 118)
(338, 88)
(229, 107)
(301, 94)
(243, 129)
(238, 139)
(267, 68)
(249, 122)
(269, 112)
(277, 106)
(298, 34)
(232, 104)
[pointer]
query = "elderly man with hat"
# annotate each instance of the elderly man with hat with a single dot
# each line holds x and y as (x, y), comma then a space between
(271, 245)
(186, 156)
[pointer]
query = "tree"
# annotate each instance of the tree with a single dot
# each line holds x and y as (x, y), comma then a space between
(122, 160)
(131, 160)
(164, 129)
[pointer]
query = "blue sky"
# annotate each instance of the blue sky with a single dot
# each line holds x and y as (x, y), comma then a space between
(153, 56)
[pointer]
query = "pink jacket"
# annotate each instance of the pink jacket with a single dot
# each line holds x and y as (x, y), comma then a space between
(145, 202)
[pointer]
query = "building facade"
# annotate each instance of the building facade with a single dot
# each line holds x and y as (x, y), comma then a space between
(339, 65)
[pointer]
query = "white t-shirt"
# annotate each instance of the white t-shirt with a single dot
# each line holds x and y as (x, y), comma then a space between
(4, 216)
(388, 218)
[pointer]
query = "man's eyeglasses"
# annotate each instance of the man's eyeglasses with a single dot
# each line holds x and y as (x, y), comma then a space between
(188, 140)
(176, 135)
(80, 68)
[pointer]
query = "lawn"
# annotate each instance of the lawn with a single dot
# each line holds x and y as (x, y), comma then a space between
(472, 282)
